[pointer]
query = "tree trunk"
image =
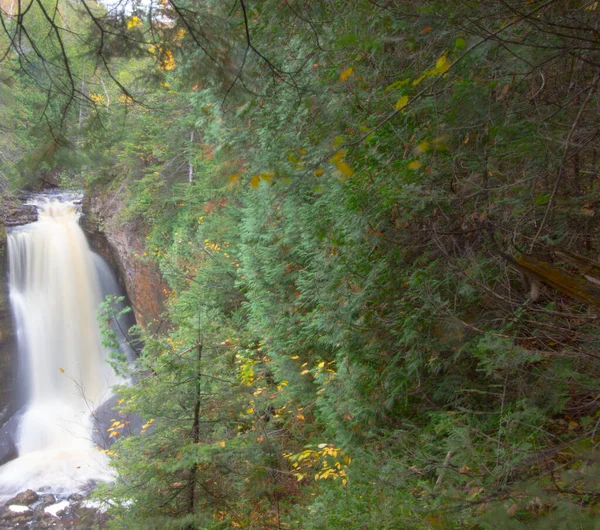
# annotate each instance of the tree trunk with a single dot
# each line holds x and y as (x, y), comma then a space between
(195, 437)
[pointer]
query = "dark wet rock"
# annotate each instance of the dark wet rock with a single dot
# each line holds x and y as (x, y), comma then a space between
(103, 417)
(10, 519)
(22, 215)
(15, 212)
(25, 498)
(8, 358)
(40, 513)
(8, 439)
(47, 500)
(75, 515)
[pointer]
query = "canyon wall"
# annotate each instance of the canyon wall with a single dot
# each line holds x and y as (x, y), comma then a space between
(122, 244)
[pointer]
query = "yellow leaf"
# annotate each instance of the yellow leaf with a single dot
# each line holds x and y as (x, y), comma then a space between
(345, 169)
(402, 102)
(61, 371)
(423, 146)
(337, 141)
(397, 84)
(337, 157)
(442, 65)
(249, 411)
(235, 177)
(255, 181)
(300, 416)
(319, 172)
(304, 372)
(414, 165)
(133, 22)
(417, 81)
(346, 73)
(267, 177)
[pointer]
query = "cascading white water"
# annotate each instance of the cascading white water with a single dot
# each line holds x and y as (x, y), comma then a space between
(55, 294)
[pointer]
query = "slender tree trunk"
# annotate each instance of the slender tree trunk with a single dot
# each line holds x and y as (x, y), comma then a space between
(190, 167)
(105, 93)
(195, 437)
(81, 102)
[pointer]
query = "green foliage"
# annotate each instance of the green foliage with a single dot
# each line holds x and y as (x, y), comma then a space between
(335, 209)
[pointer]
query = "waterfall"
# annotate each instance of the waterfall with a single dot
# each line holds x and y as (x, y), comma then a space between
(55, 294)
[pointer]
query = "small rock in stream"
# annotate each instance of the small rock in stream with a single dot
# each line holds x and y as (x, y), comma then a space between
(26, 498)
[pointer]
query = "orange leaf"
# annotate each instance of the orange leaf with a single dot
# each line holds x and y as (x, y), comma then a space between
(345, 169)
(346, 73)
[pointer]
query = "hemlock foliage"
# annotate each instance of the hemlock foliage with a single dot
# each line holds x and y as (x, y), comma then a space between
(378, 226)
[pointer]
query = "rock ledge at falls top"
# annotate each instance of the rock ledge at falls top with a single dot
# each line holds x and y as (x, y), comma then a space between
(29, 509)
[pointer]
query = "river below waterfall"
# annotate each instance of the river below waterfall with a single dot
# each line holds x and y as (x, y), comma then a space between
(56, 287)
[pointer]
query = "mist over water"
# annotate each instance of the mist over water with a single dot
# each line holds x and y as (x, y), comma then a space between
(55, 294)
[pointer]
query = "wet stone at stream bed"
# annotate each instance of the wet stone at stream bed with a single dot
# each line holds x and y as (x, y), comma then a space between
(34, 510)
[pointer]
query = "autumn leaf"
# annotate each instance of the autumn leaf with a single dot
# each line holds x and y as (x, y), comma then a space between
(61, 371)
(442, 65)
(267, 177)
(255, 181)
(235, 177)
(346, 73)
(418, 80)
(397, 84)
(422, 147)
(337, 157)
(133, 22)
(319, 172)
(402, 102)
(414, 165)
(344, 169)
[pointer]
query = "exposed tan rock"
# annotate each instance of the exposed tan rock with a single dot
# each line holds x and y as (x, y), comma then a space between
(122, 244)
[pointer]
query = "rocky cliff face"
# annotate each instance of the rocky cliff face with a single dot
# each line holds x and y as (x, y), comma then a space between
(122, 245)
(8, 343)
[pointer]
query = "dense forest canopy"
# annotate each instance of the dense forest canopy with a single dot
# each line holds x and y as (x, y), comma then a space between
(377, 221)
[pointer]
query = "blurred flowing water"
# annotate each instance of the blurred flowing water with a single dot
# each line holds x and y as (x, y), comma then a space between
(56, 287)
